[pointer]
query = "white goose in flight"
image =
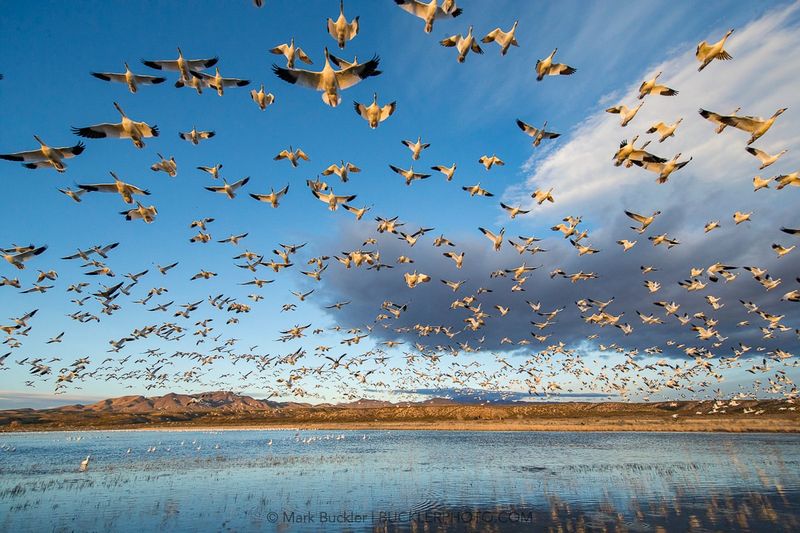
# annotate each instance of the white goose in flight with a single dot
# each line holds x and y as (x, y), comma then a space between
(489, 161)
(764, 157)
(463, 44)
(127, 129)
(415, 147)
(261, 98)
(538, 134)
(497, 240)
(140, 212)
(291, 53)
(229, 189)
(182, 65)
(219, 83)
(213, 171)
(625, 113)
(664, 131)
(785, 180)
(431, 11)
(165, 165)
(195, 136)
(129, 78)
(755, 126)
(341, 30)
(663, 169)
(45, 156)
(651, 87)
(447, 171)
(706, 53)
(293, 156)
(409, 174)
(342, 171)
(374, 114)
(273, 197)
(541, 196)
(643, 220)
(546, 67)
(332, 199)
(502, 38)
(19, 257)
(126, 190)
(329, 81)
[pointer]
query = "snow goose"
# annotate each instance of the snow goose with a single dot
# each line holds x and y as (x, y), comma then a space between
(218, 82)
(129, 78)
(332, 199)
(147, 214)
(740, 217)
(415, 147)
(537, 134)
(755, 126)
(457, 258)
(414, 278)
(546, 67)
(293, 156)
(291, 53)
(628, 153)
(126, 190)
(329, 81)
(359, 213)
(476, 190)
(782, 250)
(664, 131)
(663, 169)
(374, 114)
(497, 240)
(643, 220)
(261, 98)
(462, 44)
(626, 244)
(431, 11)
(651, 87)
(488, 162)
(165, 165)
(272, 198)
(447, 171)
(195, 136)
(341, 30)
(764, 157)
(19, 257)
(182, 65)
(626, 114)
(759, 183)
(541, 196)
(214, 171)
(85, 464)
(514, 211)
(229, 189)
(342, 171)
(502, 38)
(788, 179)
(706, 53)
(127, 129)
(409, 174)
(74, 194)
(45, 156)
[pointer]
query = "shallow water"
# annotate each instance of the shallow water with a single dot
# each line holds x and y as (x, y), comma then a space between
(398, 481)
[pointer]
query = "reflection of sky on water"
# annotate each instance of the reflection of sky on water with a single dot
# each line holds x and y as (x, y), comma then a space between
(234, 479)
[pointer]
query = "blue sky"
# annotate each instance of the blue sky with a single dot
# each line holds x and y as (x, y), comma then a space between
(463, 110)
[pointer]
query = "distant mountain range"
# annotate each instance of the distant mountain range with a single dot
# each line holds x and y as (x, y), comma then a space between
(222, 401)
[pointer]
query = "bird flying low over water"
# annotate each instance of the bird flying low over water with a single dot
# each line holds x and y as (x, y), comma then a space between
(430, 11)
(127, 129)
(329, 81)
(45, 156)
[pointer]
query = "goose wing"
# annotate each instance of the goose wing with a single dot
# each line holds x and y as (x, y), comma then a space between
(302, 77)
(417, 9)
(561, 69)
(450, 41)
(110, 76)
(350, 76)
(387, 110)
(100, 131)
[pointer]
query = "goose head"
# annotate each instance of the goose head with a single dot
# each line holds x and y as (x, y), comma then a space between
(469, 31)
(341, 7)
(375, 98)
(180, 54)
(39, 140)
(728, 34)
(553, 53)
(121, 112)
(127, 68)
(780, 111)
(113, 175)
(327, 57)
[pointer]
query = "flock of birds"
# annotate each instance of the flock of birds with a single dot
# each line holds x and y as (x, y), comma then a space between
(423, 364)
